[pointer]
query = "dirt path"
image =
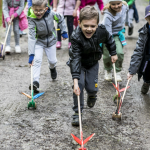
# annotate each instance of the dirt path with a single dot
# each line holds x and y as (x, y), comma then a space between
(49, 126)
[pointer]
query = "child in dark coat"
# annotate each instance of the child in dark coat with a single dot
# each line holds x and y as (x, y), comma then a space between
(140, 60)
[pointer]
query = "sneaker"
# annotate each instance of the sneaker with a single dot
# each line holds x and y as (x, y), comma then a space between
(17, 49)
(69, 44)
(35, 86)
(108, 75)
(130, 30)
(24, 33)
(58, 44)
(53, 73)
(7, 49)
(118, 76)
(145, 88)
(75, 121)
(91, 101)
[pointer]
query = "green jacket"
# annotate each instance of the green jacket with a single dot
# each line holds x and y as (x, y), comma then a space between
(42, 31)
(130, 2)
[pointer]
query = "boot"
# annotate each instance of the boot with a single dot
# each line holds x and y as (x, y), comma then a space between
(91, 100)
(108, 75)
(35, 87)
(75, 121)
(145, 88)
(58, 44)
(130, 30)
(119, 79)
(53, 73)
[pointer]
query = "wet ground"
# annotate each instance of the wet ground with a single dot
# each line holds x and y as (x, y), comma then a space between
(49, 126)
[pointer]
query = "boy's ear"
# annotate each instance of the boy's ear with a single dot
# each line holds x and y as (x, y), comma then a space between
(79, 23)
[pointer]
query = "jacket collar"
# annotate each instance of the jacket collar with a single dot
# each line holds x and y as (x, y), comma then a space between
(144, 29)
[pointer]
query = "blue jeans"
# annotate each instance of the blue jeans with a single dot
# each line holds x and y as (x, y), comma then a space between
(136, 16)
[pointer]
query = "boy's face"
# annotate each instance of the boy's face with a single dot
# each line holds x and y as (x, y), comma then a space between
(116, 6)
(39, 11)
(88, 27)
(148, 19)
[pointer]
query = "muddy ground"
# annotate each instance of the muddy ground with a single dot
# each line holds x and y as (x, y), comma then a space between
(49, 126)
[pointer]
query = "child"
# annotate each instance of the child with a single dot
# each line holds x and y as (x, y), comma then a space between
(69, 10)
(140, 60)
(12, 9)
(130, 16)
(114, 21)
(84, 55)
(42, 35)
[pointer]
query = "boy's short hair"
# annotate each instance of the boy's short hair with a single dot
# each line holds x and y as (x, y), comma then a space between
(89, 12)
(39, 2)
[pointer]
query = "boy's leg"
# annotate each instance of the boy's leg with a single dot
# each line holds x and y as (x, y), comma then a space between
(91, 84)
(136, 16)
(51, 55)
(70, 20)
(8, 48)
(146, 78)
(37, 62)
(16, 34)
(120, 54)
(107, 64)
(130, 20)
(81, 83)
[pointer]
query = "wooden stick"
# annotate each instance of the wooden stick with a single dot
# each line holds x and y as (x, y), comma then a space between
(3, 50)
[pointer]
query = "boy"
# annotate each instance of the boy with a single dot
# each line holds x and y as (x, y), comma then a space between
(42, 35)
(130, 16)
(84, 55)
(140, 60)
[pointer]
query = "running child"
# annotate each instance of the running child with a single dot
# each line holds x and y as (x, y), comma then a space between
(69, 10)
(140, 60)
(85, 52)
(42, 35)
(115, 13)
(12, 9)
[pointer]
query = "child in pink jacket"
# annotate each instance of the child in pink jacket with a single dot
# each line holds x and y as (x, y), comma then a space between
(91, 3)
(67, 8)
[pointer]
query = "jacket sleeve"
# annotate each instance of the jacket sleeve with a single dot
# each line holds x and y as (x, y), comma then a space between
(75, 58)
(110, 43)
(130, 2)
(137, 56)
(100, 4)
(5, 9)
(21, 7)
(61, 21)
(107, 23)
(31, 36)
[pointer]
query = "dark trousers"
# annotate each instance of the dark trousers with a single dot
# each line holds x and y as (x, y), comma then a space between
(136, 16)
(146, 75)
(88, 80)
(70, 20)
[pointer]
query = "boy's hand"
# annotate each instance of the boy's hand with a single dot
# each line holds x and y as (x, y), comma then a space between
(76, 89)
(129, 76)
(64, 35)
(102, 12)
(114, 58)
(31, 57)
(55, 9)
(75, 13)
(12, 17)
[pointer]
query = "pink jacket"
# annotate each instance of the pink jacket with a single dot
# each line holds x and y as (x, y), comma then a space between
(66, 7)
(92, 2)
(23, 22)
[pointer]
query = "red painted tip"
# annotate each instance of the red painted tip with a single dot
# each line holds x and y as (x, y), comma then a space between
(87, 139)
(82, 149)
(77, 139)
(116, 87)
(124, 89)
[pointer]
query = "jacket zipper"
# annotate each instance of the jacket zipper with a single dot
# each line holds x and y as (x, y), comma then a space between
(64, 7)
(94, 48)
(47, 31)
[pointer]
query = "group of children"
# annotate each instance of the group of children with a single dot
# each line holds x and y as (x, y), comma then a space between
(89, 41)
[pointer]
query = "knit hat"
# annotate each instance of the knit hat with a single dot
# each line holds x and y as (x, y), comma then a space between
(147, 11)
(115, 0)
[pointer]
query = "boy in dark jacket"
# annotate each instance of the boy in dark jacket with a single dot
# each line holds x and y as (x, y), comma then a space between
(140, 60)
(84, 55)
